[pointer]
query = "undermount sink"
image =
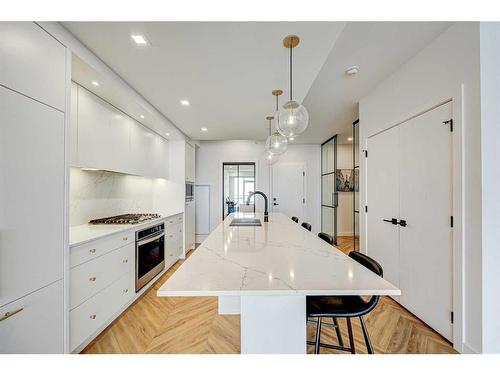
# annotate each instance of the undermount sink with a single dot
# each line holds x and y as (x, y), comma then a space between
(245, 222)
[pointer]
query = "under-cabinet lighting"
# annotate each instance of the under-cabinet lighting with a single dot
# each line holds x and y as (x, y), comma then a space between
(90, 169)
(184, 102)
(95, 83)
(141, 116)
(167, 134)
(204, 129)
(349, 139)
(139, 39)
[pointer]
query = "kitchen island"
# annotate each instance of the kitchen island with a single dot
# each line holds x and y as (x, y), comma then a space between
(264, 273)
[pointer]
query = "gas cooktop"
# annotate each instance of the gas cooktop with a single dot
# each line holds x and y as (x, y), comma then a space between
(125, 219)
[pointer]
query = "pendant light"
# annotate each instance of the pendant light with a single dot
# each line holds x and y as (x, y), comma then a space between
(293, 117)
(276, 143)
(270, 158)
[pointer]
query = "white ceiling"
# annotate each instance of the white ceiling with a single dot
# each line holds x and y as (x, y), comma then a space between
(228, 70)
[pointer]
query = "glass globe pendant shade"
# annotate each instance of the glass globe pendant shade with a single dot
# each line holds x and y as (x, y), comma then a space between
(293, 119)
(270, 158)
(276, 144)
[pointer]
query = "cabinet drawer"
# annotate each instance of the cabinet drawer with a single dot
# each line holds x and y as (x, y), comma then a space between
(33, 63)
(90, 316)
(89, 278)
(91, 250)
(172, 220)
(38, 327)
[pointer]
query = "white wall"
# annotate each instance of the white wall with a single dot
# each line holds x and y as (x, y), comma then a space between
(346, 199)
(211, 154)
(490, 155)
(97, 194)
(434, 75)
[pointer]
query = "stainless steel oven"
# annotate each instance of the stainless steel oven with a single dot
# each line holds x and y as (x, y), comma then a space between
(149, 254)
(189, 191)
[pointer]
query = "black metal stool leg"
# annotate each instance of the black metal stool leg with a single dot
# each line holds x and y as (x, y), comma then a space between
(339, 334)
(369, 347)
(351, 339)
(318, 337)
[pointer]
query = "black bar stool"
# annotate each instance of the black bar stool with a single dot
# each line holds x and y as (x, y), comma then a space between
(326, 237)
(296, 219)
(344, 307)
(306, 226)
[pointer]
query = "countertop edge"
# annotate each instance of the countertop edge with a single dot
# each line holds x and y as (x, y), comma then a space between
(241, 293)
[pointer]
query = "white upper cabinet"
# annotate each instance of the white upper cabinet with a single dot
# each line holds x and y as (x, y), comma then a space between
(190, 162)
(108, 139)
(73, 126)
(33, 63)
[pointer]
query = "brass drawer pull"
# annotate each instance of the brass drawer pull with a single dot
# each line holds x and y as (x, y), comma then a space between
(125, 260)
(92, 278)
(92, 251)
(93, 316)
(8, 314)
(125, 290)
(125, 238)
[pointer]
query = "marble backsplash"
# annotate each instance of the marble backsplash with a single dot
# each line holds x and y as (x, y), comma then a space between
(96, 194)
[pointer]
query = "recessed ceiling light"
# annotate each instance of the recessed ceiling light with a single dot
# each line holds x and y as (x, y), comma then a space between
(185, 102)
(139, 39)
(352, 70)
(291, 139)
(349, 139)
(141, 116)
(204, 129)
(167, 134)
(95, 83)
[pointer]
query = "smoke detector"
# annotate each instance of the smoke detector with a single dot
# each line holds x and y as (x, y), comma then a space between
(352, 70)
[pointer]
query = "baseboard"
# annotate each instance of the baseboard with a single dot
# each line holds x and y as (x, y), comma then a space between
(201, 237)
(345, 234)
(467, 349)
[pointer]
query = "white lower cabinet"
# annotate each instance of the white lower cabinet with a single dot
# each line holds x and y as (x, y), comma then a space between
(32, 324)
(90, 316)
(89, 278)
(174, 241)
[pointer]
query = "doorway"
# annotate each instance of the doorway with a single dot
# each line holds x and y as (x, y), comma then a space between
(238, 180)
(288, 189)
(409, 193)
(329, 193)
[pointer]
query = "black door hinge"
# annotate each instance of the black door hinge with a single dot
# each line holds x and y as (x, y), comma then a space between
(452, 317)
(451, 221)
(366, 153)
(366, 208)
(304, 174)
(303, 200)
(450, 121)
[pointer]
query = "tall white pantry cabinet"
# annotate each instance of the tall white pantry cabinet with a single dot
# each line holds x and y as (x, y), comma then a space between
(33, 83)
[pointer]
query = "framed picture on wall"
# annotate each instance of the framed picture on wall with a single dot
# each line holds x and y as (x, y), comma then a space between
(344, 180)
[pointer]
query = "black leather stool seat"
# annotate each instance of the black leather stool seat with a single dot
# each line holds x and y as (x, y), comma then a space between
(338, 306)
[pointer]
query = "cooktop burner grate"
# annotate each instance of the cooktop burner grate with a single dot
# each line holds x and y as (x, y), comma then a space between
(125, 219)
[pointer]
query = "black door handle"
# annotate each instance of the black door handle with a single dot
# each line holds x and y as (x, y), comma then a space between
(275, 204)
(392, 221)
(402, 223)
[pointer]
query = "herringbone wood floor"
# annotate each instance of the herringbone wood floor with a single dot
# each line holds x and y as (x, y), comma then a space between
(192, 325)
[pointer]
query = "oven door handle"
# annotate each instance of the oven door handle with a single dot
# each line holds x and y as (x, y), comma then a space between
(150, 239)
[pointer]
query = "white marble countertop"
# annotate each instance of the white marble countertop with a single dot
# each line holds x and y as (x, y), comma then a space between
(278, 258)
(80, 234)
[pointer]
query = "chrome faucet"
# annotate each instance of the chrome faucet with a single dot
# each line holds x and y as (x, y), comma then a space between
(266, 214)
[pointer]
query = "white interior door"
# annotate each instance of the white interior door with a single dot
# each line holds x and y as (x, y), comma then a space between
(426, 204)
(288, 189)
(383, 202)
